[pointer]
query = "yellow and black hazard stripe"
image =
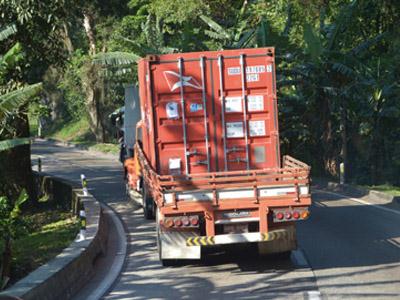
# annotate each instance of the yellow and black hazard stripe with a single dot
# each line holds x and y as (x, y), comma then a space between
(200, 241)
(274, 235)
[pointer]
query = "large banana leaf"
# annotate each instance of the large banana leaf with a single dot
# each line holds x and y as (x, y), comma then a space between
(115, 58)
(11, 101)
(5, 32)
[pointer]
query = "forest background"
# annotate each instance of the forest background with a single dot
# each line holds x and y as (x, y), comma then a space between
(338, 75)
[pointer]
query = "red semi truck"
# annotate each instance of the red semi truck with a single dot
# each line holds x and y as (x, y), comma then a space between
(207, 158)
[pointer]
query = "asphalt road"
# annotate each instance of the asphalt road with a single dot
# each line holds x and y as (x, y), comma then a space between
(353, 249)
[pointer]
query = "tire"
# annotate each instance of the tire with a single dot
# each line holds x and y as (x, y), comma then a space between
(148, 204)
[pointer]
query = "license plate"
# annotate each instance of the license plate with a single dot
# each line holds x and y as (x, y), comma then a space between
(236, 228)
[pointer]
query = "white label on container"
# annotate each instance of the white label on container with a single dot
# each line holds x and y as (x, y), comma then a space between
(195, 107)
(257, 128)
(269, 68)
(174, 163)
(255, 102)
(234, 71)
(234, 129)
(233, 104)
(255, 69)
(172, 110)
(252, 77)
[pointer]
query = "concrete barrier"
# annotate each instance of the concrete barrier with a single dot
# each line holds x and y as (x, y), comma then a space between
(68, 272)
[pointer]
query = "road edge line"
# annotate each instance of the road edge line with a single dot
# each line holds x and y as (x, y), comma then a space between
(377, 206)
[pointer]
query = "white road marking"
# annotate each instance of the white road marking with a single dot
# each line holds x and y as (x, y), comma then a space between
(313, 295)
(361, 201)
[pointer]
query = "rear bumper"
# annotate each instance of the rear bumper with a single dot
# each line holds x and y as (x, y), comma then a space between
(250, 237)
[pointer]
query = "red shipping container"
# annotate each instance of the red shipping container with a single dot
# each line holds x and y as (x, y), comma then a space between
(210, 111)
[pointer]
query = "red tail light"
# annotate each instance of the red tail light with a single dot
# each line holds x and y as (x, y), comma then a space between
(178, 222)
(194, 221)
(185, 221)
(296, 215)
(288, 215)
(279, 216)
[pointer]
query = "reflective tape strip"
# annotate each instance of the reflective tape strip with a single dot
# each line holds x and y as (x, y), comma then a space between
(274, 235)
(200, 241)
(249, 237)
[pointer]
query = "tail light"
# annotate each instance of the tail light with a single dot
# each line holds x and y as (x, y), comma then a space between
(194, 221)
(180, 221)
(169, 223)
(185, 221)
(288, 214)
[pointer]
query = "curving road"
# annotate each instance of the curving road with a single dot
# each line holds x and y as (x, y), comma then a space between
(353, 249)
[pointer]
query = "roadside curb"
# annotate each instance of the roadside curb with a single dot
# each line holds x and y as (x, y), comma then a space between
(373, 196)
(78, 147)
(63, 276)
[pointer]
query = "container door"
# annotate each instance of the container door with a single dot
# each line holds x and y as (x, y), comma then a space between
(247, 135)
(182, 107)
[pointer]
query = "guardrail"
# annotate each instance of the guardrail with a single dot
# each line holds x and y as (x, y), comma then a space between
(68, 272)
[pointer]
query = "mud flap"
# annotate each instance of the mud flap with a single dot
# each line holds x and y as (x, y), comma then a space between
(280, 245)
(173, 245)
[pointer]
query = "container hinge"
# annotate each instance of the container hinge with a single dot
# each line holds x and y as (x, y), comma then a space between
(193, 152)
(238, 160)
(235, 149)
(199, 162)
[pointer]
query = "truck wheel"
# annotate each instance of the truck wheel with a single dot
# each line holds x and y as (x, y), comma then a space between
(148, 204)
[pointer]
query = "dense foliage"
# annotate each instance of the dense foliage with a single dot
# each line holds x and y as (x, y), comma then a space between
(337, 65)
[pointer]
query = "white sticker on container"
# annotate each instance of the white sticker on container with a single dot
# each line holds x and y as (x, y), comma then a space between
(172, 110)
(257, 128)
(174, 163)
(195, 107)
(234, 71)
(233, 104)
(252, 77)
(269, 68)
(234, 129)
(255, 102)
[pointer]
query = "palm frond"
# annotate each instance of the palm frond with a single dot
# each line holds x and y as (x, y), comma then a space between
(344, 70)
(215, 35)
(341, 21)
(215, 26)
(12, 143)
(7, 31)
(11, 101)
(115, 58)
(245, 39)
(368, 43)
(314, 45)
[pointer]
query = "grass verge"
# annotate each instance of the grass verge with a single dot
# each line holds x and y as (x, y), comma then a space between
(78, 132)
(49, 232)
(385, 188)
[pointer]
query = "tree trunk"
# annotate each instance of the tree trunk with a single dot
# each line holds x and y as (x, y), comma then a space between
(6, 260)
(66, 38)
(93, 95)
(88, 25)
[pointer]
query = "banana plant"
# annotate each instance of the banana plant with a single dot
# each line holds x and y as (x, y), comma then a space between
(10, 101)
(11, 227)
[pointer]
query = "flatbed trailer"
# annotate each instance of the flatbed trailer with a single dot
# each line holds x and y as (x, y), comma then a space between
(207, 154)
